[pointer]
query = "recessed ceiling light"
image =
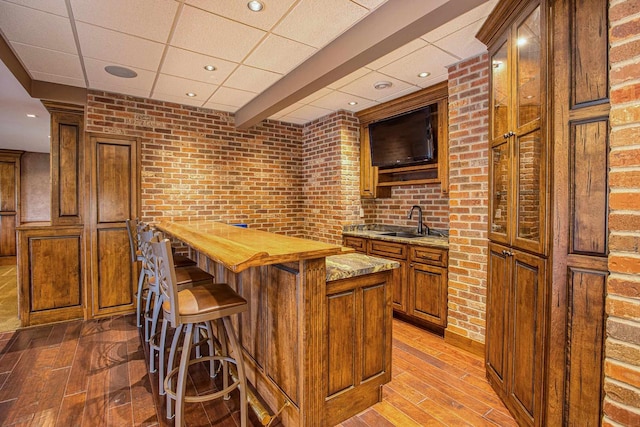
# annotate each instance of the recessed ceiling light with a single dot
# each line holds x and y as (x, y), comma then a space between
(191, 94)
(353, 103)
(424, 74)
(31, 116)
(209, 68)
(382, 85)
(118, 71)
(255, 6)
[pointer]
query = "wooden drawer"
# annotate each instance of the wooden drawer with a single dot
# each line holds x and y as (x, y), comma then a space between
(430, 256)
(387, 249)
(357, 243)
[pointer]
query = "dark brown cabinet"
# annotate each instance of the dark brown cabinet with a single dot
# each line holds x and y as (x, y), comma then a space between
(9, 203)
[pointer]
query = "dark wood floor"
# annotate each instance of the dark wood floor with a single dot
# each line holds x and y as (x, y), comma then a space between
(94, 373)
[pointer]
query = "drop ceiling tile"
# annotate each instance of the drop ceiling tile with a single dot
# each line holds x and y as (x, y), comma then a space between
(238, 11)
(407, 91)
(433, 79)
(151, 19)
(337, 100)
(251, 79)
(370, 4)
(429, 58)
(463, 43)
(99, 78)
(294, 120)
(316, 23)
(190, 65)
(178, 99)
(278, 54)
(52, 78)
(231, 97)
(480, 12)
(363, 87)
(49, 61)
(221, 107)
(118, 48)
(33, 27)
(315, 95)
(213, 35)
(397, 54)
(360, 72)
(56, 7)
(309, 112)
(179, 87)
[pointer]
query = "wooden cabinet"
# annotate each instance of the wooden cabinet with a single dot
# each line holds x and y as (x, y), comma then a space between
(9, 203)
(428, 285)
(515, 330)
(114, 197)
(377, 182)
(420, 285)
(515, 34)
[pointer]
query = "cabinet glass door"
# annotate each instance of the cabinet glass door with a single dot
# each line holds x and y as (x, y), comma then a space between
(500, 92)
(529, 196)
(528, 69)
(499, 202)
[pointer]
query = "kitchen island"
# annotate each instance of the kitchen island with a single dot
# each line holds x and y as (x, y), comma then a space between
(319, 347)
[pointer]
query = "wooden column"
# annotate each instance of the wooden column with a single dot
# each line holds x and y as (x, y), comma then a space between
(9, 204)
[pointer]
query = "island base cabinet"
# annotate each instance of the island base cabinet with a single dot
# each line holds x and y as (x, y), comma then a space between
(515, 328)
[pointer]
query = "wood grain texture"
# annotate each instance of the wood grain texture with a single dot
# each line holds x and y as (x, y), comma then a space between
(9, 202)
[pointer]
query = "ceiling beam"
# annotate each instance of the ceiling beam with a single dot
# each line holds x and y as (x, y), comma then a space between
(392, 25)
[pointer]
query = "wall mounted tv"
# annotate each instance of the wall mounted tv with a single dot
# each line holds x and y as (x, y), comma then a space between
(407, 139)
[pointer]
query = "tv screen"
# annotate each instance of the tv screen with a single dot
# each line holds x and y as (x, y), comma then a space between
(405, 139)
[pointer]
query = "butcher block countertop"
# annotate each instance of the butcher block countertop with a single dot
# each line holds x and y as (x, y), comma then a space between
(239, 248)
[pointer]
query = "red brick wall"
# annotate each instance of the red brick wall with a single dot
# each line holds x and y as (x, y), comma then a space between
(622, 363)
(331, 176)
(468, 195)
(196, 165)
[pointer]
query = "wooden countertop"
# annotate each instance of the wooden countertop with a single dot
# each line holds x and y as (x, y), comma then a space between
(239, 248)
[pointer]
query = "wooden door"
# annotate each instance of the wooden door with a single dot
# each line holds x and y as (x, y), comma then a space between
(399, 287)
(114, 195)
(525, 345)
(428, 293)
(9, 191)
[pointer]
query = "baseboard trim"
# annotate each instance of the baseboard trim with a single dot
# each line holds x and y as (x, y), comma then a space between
(8, 260)
(472, 346)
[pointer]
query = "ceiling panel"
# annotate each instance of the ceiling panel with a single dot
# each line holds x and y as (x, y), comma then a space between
(190, 65)
(231, 97)
(210, 34)
(100, 79)
(238, 11)
(179, 87)
(427, 59)
(364, 86)
(49, 61)
(57, 7)
(251, 79)
(279, 54)
(337, 100)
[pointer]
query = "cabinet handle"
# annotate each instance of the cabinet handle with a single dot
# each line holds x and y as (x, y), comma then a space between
(507, 253)
(508, 134)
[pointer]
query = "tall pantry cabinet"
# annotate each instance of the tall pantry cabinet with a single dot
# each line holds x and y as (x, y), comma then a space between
(548, 208)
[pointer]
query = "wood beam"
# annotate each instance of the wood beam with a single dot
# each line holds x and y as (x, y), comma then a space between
(392, 25)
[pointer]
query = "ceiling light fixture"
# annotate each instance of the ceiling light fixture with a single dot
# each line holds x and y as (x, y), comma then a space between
(382, 85)
(255, 6)
(353, 103)
(31, 116)
(424, 74)
(191, 94)
(209, 68)
(118, 71)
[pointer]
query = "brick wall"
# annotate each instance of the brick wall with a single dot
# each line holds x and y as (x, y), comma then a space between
(331, 176)
(196, 165)
(468, 187)
(622, 363)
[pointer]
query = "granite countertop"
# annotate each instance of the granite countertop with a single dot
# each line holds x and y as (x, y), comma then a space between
(356, 264)
(376, 231)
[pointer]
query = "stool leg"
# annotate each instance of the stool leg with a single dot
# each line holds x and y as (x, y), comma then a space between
(139, 301)
(157, 306)
(210, 338)
(161, 351)
(224, 351)
(183, 375)
(237, 354)
(172, 356)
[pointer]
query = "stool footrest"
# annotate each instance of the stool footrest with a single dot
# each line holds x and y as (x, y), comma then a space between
(205, 397)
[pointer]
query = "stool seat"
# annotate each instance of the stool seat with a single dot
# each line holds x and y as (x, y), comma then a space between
(218, 299)
(182, 261)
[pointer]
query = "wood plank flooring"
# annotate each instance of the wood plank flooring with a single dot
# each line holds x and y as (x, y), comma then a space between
(94, 373)
(8, 298)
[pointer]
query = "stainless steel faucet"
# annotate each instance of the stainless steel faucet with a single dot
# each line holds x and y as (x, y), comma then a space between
(420, 226)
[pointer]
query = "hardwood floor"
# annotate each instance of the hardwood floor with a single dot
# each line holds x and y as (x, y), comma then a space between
(94, 373)
(8, 298)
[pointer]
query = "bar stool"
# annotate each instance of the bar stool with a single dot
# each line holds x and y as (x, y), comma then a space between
(134, 228)
(187, 308)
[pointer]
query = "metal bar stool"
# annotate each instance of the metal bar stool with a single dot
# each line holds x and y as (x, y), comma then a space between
(187, 308)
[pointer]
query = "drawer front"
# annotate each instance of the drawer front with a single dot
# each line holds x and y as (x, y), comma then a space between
(430, 256)
(387, 249)
(357, 243)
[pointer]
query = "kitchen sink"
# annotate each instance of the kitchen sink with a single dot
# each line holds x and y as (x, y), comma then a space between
(402, 234)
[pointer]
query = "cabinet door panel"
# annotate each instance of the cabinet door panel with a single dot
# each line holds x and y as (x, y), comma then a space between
(8, 186)
(530, 195)
(499, 203)
(500, 93)
(527, 326)
(428, 293)
(499, 275)
(399, 286)
(341, 319)
(528, 45)
(374, 304)
(115, 273)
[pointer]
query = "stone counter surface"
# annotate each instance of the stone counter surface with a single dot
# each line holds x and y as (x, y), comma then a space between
(356, 264)
(375, 231)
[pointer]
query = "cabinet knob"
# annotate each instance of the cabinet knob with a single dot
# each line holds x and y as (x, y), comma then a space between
(507, 253)
(508, 134)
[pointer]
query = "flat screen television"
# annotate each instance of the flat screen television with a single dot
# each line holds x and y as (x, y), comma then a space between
(406, 139)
